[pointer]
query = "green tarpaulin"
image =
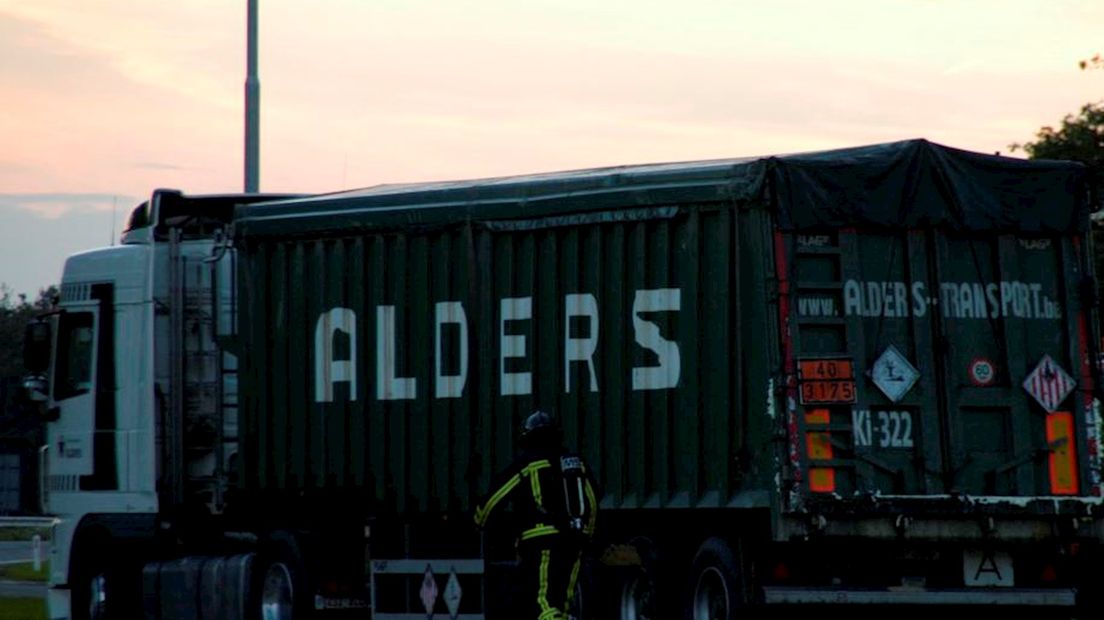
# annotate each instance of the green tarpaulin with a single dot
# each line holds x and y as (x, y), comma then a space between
(907, 184)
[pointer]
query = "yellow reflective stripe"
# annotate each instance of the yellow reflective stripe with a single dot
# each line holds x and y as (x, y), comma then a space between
(542, 591)
(571, 582)
(540, 530)
(536, 466)
(482, 513)
(592, 521)
(534, 480)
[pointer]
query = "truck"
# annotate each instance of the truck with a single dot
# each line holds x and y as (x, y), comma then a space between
(862, 377)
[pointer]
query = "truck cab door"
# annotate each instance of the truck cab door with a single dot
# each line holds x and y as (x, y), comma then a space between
(71, 436)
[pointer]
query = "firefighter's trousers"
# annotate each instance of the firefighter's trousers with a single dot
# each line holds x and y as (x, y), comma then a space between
(549, 571)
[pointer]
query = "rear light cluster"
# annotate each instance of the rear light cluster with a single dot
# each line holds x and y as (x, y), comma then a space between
(818, 447)
(1062, 453)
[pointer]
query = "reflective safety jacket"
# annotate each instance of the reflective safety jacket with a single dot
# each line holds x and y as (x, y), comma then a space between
(552, 494)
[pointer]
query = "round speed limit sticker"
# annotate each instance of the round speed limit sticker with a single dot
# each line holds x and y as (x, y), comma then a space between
(982, 372)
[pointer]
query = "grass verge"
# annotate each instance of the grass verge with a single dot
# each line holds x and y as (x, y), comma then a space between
(23, 608)
(23, 572)
(23, 533)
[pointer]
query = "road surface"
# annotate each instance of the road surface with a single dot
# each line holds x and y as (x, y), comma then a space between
(13, 552)
(22, 589)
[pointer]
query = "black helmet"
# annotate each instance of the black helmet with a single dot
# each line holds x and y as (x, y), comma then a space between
(540, 430)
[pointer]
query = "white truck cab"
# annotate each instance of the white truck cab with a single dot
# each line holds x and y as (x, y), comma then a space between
(138, 393)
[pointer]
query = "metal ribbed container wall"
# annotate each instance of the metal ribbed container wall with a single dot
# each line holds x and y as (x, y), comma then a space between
(394, 338)
(625, 322)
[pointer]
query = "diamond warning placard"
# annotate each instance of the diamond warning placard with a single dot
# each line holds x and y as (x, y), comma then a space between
(1049, 384)
(452, 595)
(429, 591)
(893, 374)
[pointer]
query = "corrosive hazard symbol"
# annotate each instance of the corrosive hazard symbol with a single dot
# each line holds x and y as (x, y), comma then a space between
(1049, 384)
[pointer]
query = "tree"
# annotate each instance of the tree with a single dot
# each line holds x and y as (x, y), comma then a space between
(15, 312)
(1079, 138)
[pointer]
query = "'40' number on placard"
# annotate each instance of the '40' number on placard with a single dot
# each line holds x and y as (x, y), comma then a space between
(890, 429)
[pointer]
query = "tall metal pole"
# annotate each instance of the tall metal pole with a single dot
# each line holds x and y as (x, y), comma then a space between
(252, 104)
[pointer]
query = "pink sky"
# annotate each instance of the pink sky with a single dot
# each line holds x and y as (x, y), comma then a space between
(105, 100)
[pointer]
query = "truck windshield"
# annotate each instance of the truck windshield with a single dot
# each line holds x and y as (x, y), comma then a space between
(73, 375)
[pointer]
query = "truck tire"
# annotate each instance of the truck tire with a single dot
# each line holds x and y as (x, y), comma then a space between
(716, 589)
(282, 589)
(104, 583)
(93, 595)
(638, 596)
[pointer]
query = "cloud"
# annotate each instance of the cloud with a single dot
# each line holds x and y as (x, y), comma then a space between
(133, 40)
(54, 205)
(75, 118)
(33, 248)
(155, 165)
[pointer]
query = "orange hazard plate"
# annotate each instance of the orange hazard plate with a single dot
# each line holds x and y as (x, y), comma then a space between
(824, 370)
(827, 392)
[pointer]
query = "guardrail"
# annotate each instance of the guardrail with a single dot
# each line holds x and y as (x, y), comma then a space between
(27, 521)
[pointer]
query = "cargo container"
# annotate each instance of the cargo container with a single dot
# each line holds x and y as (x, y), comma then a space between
(856, 377)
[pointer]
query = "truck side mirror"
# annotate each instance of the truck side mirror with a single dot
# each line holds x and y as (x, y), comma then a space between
(37, 340)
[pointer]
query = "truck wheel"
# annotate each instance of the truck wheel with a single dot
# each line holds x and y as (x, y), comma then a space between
(638, 588)
(104, 578)
(98, 593)
(277, 593)
(282, 592)
(637, 600)
(716, 589)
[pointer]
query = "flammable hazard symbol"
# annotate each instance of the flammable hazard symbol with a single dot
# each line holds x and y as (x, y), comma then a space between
(1049, 384)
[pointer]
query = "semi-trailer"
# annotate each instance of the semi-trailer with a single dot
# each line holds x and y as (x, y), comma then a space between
(858, 377)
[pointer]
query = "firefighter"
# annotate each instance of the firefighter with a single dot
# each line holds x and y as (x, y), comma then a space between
(556, 508)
